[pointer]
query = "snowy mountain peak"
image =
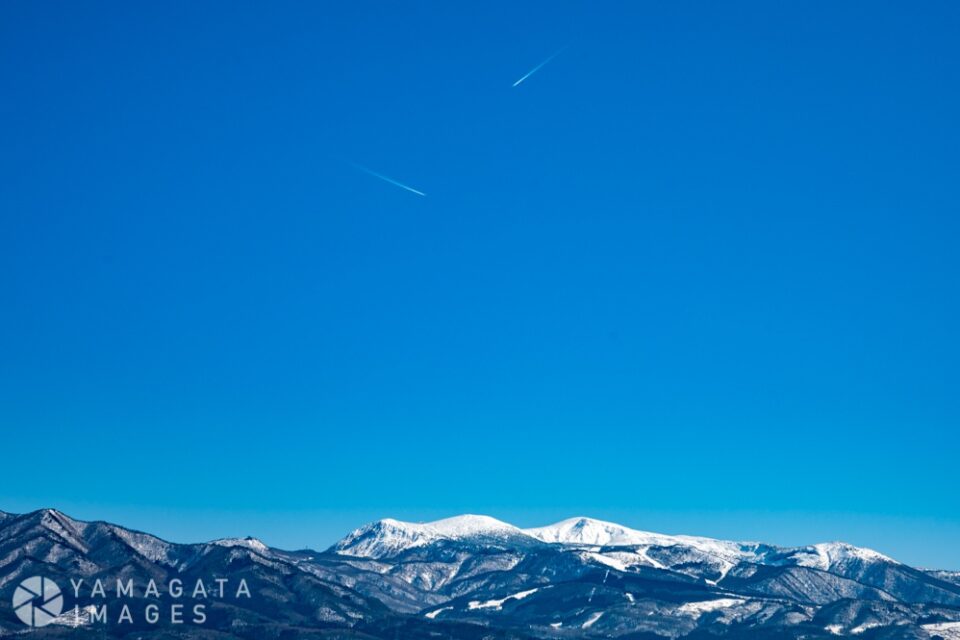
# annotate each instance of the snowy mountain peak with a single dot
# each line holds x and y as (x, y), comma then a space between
(471, 525)
(248, 542)
(387, 537)
(592, 532)
(57, 519)
(844, 550)
(830, 555)
(68, 529)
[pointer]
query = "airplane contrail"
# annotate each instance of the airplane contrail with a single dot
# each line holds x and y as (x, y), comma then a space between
(386, 179)
(539, 66)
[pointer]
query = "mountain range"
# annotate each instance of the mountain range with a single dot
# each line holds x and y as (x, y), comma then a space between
(477, 577)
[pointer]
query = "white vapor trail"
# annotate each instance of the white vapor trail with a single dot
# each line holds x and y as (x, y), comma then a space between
(386, 179)
(539, 66)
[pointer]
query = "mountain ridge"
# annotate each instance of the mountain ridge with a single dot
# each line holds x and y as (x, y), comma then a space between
(470, 577)
(576, 531)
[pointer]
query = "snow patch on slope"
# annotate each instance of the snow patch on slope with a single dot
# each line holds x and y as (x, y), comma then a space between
(697, 609)
(498, 604)
(947, 630)
(592, 620)
(150, 547)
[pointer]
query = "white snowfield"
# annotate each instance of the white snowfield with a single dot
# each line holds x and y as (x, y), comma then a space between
(592, 619)
(498, 604)
(947, 630)
(611, 544)
(697, 609)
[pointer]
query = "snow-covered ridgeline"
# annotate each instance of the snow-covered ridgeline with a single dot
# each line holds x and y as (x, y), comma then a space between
(388, 537)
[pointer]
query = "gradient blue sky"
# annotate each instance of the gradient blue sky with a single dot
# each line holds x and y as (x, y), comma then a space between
(698, 274)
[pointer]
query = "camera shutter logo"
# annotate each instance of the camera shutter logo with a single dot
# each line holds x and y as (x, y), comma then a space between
(37, 601)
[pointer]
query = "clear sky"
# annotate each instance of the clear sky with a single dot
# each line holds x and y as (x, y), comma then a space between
(698, 273)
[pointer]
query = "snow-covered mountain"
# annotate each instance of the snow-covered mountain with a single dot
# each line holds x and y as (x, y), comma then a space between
(597, 533)
(472, 577)
(604, 578)
(249, 542)
(588, 531)
(387, 537)
(621, 545)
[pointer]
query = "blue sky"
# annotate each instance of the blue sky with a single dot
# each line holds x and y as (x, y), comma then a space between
(697, 274)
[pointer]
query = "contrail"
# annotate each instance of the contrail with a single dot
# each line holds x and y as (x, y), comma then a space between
(386, 179)
(539, 66)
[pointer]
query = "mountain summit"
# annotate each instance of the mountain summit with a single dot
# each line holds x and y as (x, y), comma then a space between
(387, 537)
